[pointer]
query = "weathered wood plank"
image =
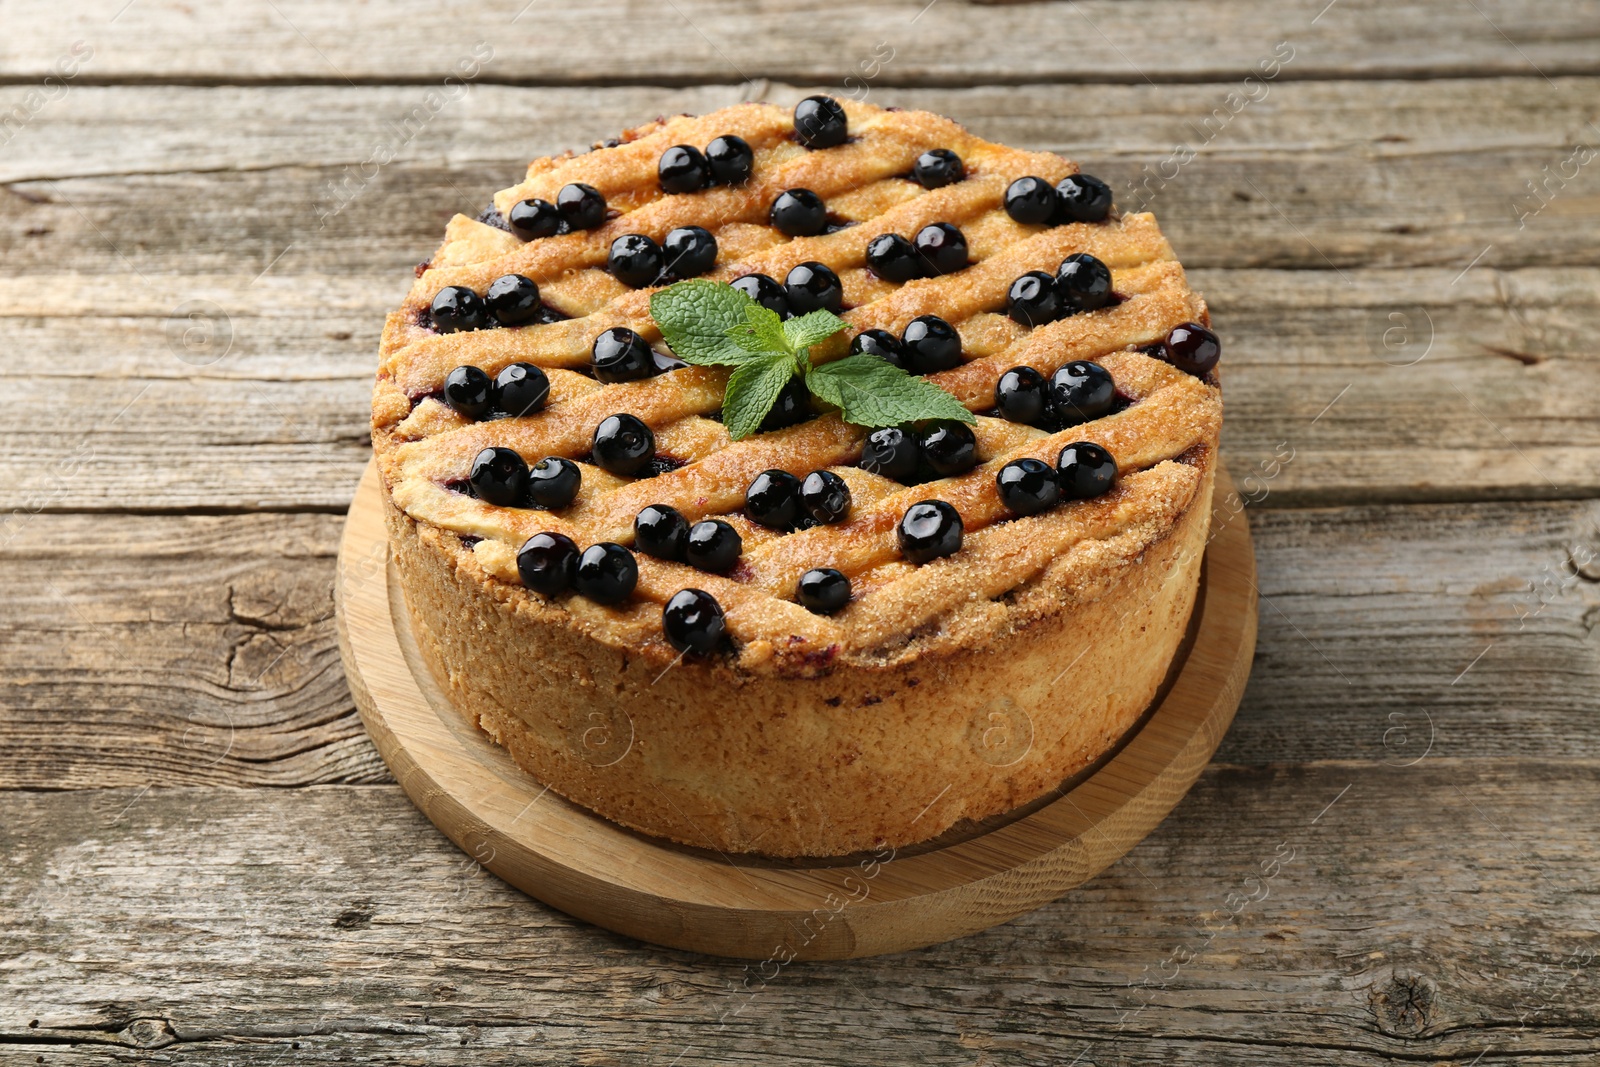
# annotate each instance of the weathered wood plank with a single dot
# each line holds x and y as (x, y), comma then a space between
(174, 650)
(335, 923)
(700, 40)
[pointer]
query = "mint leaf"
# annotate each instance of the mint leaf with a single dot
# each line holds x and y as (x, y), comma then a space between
(752, 390)
(761, 332)
(812, 328)
(695, 316)
(869, 392)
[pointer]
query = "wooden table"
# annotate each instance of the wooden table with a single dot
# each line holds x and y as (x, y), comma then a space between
(206, 211)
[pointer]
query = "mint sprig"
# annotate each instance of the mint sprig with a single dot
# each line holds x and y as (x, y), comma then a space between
(710, 324)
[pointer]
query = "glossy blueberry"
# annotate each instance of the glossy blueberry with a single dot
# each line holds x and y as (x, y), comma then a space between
(929, 529)
(1022, 395)
(764, 291)
(799, 213)
(949, 448)
(581, 206)
(623, 444)
(893, 258)
(1028, 486)
(820, 122)
(714, 546)
(512, 299)
(499, 477)
(635, 260)
(469, 391)
(823, 590)
(1084, 284)
(521, 389)
(682, 169)
(938, 167)
(813, 287)
(660, 531)
(693, 621)
(1030, 200)
(553, 482)
(606, 573)
(455, 307)
(620, 355)
(891, 452)
(690, 251)
(1033, 299)
(730, 159)
(825, 496)
(773, 499)
(880, 343)
(941, 248)
(1082, 198)
(792, 407)
(547, 563)
(931, 344)
(1192, 348)
(529, 219)
(1081, 391)
(1085, 470)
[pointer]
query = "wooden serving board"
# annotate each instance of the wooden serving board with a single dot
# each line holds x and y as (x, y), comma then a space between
(752, 907)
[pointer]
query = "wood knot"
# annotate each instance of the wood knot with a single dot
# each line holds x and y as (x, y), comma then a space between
(353, 919)
(1404, 1005)
(148, 1033)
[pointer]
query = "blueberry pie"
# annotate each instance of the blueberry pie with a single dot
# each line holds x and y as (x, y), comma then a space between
(809, 631)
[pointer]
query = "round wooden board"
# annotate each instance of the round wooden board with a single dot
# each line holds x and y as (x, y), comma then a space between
(772, 910)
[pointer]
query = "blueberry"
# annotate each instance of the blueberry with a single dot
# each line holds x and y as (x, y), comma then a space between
(620, 355)
(455, 307)
(730, 159)
(521, 389)
(623, 444)
(820, 122)
(683, 169)
(1081, 391)
(690, 251)
(499, 477)
(1030, 200)
(773, 499)
(635, 260)
(880, 343)
(825, 496)
(938, 167)
(949, 448)
(714, 546)
(512, 299)
(547, 563)
(792, 407)
(606, 573)
(1084, 284)
(534, 218)
(1085, 470)
(1033, 299)
(799, 213)
(813, 287)
(581, 206)
(1021, 395)
(693, 621)
(660, 531)
(893, 258)
(941, 248)
(1192, 348)
(469, 391)
(929, 529)
(764, 291)
(891, 452)
(931, 344)
(823, 590)
(553, 482)
(1083, 199)
(1028, 486)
